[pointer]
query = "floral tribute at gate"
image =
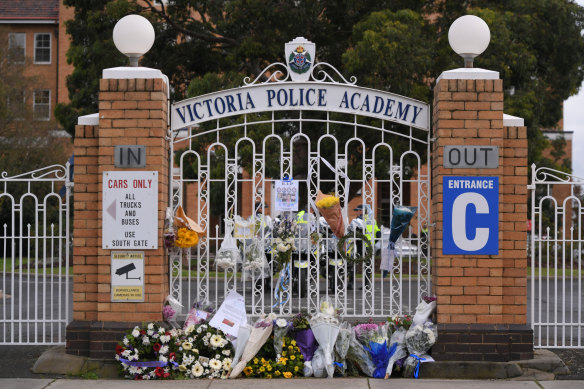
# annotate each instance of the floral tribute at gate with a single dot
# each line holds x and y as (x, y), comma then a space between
(310, 345)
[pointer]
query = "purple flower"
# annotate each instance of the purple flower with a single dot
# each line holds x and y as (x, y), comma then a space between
(429, 299)
(167, 312)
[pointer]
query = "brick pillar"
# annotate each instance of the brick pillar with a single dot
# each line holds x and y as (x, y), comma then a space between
(133, 110)
(481, 310)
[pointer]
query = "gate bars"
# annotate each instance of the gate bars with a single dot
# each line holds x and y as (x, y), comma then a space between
(555, 252)
(34, 237)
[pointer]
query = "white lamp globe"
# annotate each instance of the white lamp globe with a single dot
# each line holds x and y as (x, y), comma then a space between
(469, 36)
(133, 36)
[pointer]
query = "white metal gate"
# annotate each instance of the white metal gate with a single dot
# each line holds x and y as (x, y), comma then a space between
(34, 238)
(229, 166)
(555, 284)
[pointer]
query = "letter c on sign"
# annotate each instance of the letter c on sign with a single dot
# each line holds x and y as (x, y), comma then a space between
(459, 222)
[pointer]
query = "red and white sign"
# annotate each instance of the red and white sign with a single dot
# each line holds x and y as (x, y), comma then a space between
(130, 210)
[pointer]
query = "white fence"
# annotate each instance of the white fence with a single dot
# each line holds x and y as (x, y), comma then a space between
(34, 237)
(555, 251)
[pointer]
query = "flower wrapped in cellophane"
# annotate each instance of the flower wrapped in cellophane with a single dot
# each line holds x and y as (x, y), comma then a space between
(325, 326)
(419, 339)
(255, 264)
(398, 343)
(424, 310)
(243, 334)
(342, 347)
(281, 328)
(358, 357)
(200, 312)
(330, 208)
(228, 254)
(258, 336)
(375, 340)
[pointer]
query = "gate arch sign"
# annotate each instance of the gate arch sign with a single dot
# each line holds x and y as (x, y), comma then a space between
(299, 94)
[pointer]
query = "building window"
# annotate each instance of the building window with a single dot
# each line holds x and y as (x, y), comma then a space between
(42, 48)
(42, 104)
(17, 47)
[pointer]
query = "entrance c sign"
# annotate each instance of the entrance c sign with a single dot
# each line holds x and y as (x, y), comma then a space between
(470, 215)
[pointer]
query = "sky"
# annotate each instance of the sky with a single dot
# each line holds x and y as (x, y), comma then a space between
(574, 121)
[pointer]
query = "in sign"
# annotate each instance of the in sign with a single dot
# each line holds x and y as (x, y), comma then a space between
(130, 156)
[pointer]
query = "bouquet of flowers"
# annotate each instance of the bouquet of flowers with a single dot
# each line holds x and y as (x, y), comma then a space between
(325, 326)
(283, 240)
(228, 254)
(243, 334)
(424, 310)
(147, 353)
(399, 221)
(398, 343)
(199, 313)
(330, 208)
(258, 336)
(204, 352)
(188, 231)
(255, 259)
(281, 328)
(305, 340)
(419, 339)
(359, 357)
(267, 365)
(342, 347)
(397, 322)
(374, 337)
(169, 310)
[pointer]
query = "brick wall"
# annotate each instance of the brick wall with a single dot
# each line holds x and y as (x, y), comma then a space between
(131, 111)
(481, 291)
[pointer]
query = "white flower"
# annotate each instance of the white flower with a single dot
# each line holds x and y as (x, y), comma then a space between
(217, 356)
(117, 357)
(162, 358)
(156, 336)
(165, 338)
(216, 341)
(150, 332)
(226, 352)
(191, 339)
(173, 333)
(126, 341)
(126, 353)
(196, 350)
(282, 247)
(136, 332)
(161, 330)
(227, 363)
(145, 340)
(290, 240)
(205, 342)
(199, 330)
(215, 364)
(281, 323)
(189, 329)
(197, 369)
(206, 371)
(134, 370)
(182, 368)
(188, 360)
(163, 349)
(187, 345)
(145, 377)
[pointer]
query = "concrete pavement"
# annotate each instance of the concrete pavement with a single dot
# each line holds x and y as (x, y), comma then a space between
(321, 383)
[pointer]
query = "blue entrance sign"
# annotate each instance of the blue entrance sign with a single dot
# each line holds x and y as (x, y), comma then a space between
(470, 215)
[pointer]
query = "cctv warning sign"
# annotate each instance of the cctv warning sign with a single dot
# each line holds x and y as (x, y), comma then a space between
(127, 276)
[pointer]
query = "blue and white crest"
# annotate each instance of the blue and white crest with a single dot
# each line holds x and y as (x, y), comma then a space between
(300, 58)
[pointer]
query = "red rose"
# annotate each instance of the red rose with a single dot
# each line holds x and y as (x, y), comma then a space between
(156, 347)
(172, 356)
(159, 371)
(138, 377)
(119, 349)
(166, 375)
(143, 332)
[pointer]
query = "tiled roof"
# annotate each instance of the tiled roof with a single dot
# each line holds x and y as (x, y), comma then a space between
(29, 9)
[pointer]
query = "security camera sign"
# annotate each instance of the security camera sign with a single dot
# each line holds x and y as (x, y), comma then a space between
(127, 275)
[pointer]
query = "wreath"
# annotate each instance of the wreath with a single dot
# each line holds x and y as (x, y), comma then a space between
(203, 352)
(147, 353)
(353, 257)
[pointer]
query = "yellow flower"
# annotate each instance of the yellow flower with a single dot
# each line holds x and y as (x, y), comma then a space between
(293, 343)
(287, 374)
(247, 371)
(255, 361)
(292, 357)
(295, 369)
(186, 238)
(263, 361)
(269, 368)
(268, 376)
(277, 373)
(290, 348)
(327, 202)
(282, 361)
(262, 369)
(283, 353)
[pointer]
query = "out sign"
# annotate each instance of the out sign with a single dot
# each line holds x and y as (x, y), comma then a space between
(470, 215)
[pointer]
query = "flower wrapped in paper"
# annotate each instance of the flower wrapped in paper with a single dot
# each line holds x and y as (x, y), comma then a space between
(419, 339)
(330, 208)
(187, 234)
(325, 326)
(258, 336)
(305, 340)
(375, 340)
(243, 334)
(169, 310)
(424, 310)
(200, 312)
(399, 221)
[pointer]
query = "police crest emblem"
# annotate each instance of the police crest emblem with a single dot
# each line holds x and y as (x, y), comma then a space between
(300, 58)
